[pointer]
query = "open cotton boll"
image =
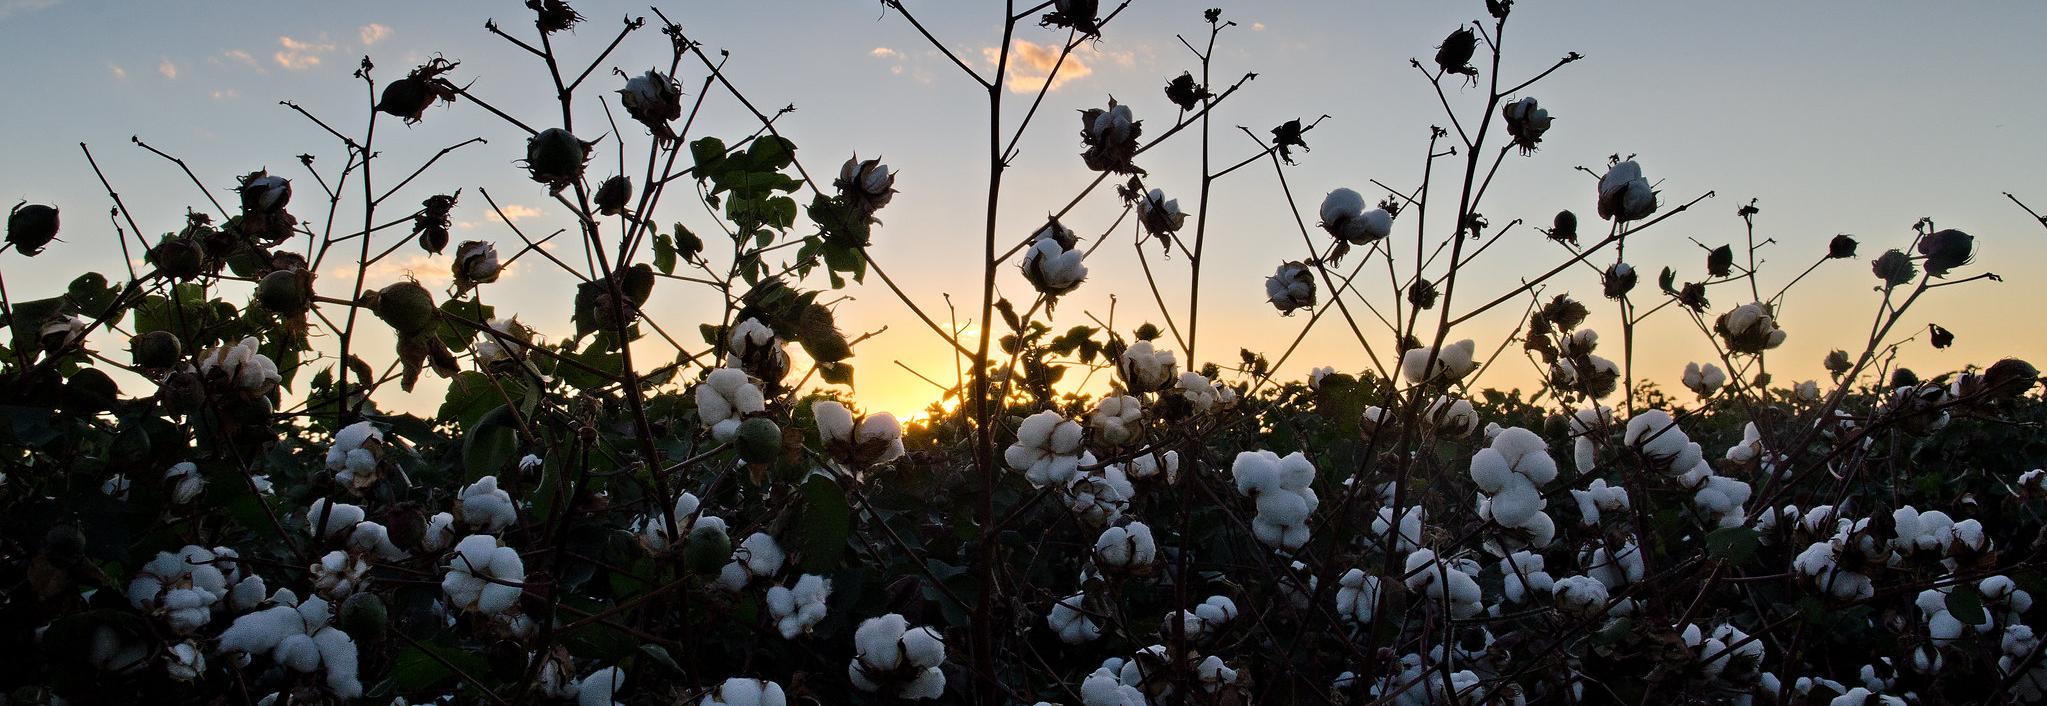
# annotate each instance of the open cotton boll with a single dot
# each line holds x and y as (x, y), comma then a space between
(356, 455)
(889, 657)
(1580, 595)
(180, 587)
(1106, 689)
(1097, 498)
(1280, 487)
(747, 692)
(1410, 528)
(1357, 597)
(440, 532)
(1069, 620)
(1053, 264)
(758, 556)
(342, 516)
(723, 399)
(1345, 216)
(1723, 497)
(1047, 449)
(834, 421)
(1614, 568)
(339, 574)
(1116, 419)
(881, 430)
(184, 482)
(1860, 696)
(297, 636)
(1522, 574)
(1703, 380)
(1453, 362)
(601, 687)
(473, 582)
(1820, 565)
(372, 538)
(1146, 368)
(797, 610)
(1125, 548)
(1598, 496)
(484, 507)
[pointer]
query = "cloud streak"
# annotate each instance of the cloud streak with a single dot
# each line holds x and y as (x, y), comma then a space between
(299, 55)
(1031, 66)
(514, 212)
(372, 33)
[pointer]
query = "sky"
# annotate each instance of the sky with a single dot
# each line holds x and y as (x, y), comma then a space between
(1839, 117)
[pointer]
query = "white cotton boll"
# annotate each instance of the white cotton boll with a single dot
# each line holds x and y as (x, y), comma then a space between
(1522, 573)
(184, 481)
(185, 662)
(338, 653)
(1969, 537)
(1256, 472)
(440, 532)
(1155, 465)
(1703, 380)
(472, 581)
(923, 647)
(1489, 470)
(484, 507)
(260, 632)
(875, 642)
(1115, 420)
(1145, 368)
(1357, 597)
(1047, 449)
(1580, 595)
(797, 610)
(342, 516)
(1453, 362)
(373, 538)
(601, 687)
(726, 395)
(834, 421)
(1516, 503)
(1409, 530)
(1068, 619)
(246, 594)
(1126, 547)
(758, 556)
(1104, 689)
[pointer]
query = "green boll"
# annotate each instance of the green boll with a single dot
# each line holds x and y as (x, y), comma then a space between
(708, 549)
(286, 292)
(556, 158)
(407, 307)
(156, 350)
(363, 616)
(30, 226)
(760, 440)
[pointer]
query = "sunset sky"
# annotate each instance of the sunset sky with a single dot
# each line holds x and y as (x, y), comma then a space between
(1840, 117)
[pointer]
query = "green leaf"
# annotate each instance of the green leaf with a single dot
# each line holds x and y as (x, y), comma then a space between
(772, 152)
(471, 396)
(424, 666)
(1966, 604)
(457, 334)
(826, 523)
(490, 445)
(709, 153)
(91, 294)
(1732, 544)
(838, 373)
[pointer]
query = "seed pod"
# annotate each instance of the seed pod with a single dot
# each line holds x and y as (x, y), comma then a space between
(553, 15)
(1946, 250)
(760, 440)
(1454, 54)
(1842, 246)
(1894, 267)
(708, 547)
(406, 306)
(431, 225)
(476, 262)
(31, 226)
(613, 194)
(409, 97)
(287, 292)
(654, 99)
(179, 258)
(263, 193)
(155, 350)
(556, 158)
(363, 616)
(1837, 362)
(1564, 228)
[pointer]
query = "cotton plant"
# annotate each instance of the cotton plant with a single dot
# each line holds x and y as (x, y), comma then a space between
(500, 345)
(724, 399)
(1580, 595)
(241, 366)
(1624, 194)
(799, 608)
(1098, 497)
(892, 658)
(1749, 328)
(753, 347)
(1281, 487)
(357, 456)
(1291, 287)
(1614, 566)
(1163, 465)
(757, 557)
(299, 636)
(1047, 449)
(483, 576)
(1451, 418)
(1406, 528)
(1598, 497)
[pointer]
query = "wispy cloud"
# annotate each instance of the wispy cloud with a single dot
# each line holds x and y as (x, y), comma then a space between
(9, 8)
(885, 53)
(515, 212)
(225, 93)
(372, 33)
(168, 69)
(120, 74)
(1031, 65)
(299, 55)
(241, 57)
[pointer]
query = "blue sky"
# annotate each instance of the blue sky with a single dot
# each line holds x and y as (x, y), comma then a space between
(1841, 117)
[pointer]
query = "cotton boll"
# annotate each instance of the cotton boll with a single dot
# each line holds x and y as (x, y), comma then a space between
(440, 532)
(1125, 548)
(1521, 574)
(724, 398)
(1409, 528)
(1516, 504)
(342, 516)
(1072, 624)
(478, 575)
(1581, 595)
(484, 507)
(834, 421)
(757, 556)
(797, 610)
(601, 687)
(1047, 449)
(1453, 362)
(1357, 598)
